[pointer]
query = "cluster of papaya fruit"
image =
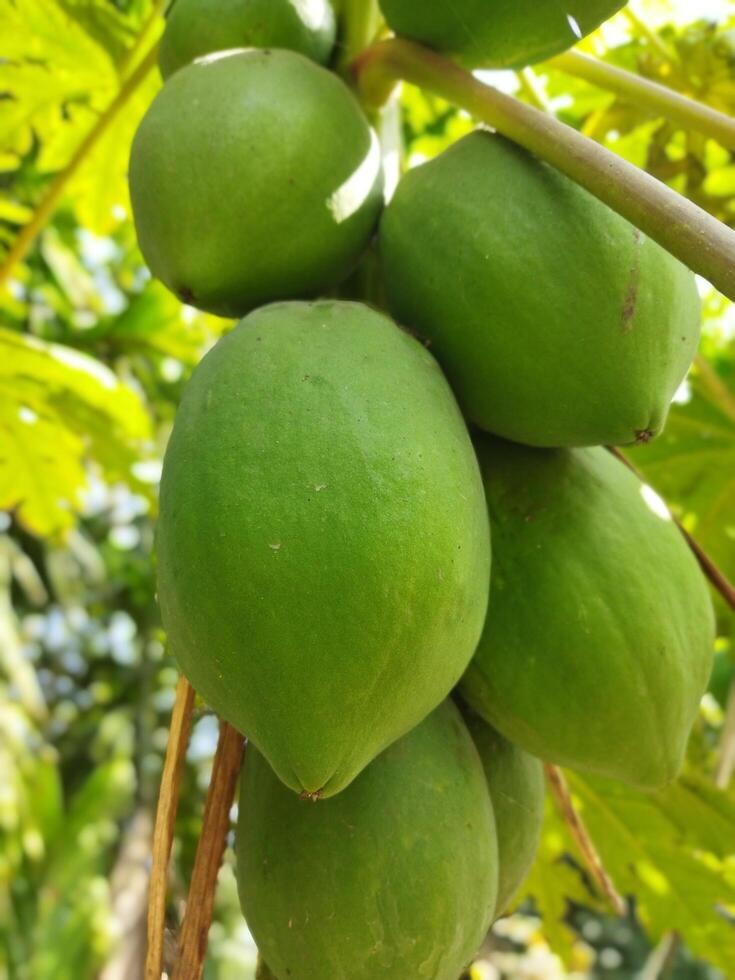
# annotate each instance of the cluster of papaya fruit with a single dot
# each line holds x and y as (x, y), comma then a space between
(333, 482)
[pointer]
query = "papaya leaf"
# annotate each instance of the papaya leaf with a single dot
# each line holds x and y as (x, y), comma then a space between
(677, 865)
(61, 409)
(49, 61)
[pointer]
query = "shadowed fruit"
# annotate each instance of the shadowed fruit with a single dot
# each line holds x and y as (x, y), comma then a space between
(598, 641)
(516, 783)
(395, 878)
(323, 542)
(559, 323)
(499, 33)
(254, 176)
(198, 27)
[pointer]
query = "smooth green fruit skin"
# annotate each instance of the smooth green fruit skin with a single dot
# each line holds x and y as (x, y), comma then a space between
(254, 176)
(393, 879)
(600, 630)
(516, 783)
(557, 322)
(199, 27)
(498, 33)
(323, 543)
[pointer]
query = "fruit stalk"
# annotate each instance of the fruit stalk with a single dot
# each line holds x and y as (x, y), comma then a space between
(215, 827)
(359, 21)
(696, 238)
(163, 833)
(56, 188)
(560, 791)
(648, 95)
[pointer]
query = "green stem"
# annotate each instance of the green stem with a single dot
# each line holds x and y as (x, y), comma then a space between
(131, 57)
(696, 238)
(360, 24)
(50, 200)
(658, 99)
(532, 88)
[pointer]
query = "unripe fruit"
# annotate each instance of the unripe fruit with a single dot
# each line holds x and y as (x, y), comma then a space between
(516, 783)
(498, 33)
(394, 879)
(323, 542)
(198, 27)
(254, 176)
(598, 643)
(559, 323)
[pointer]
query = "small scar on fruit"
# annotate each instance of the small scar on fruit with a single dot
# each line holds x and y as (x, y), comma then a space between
(313, 797)
(186, 295)
(643, 436)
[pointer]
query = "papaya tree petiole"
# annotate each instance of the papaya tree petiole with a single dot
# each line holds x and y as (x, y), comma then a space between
(649, 96)
(687, 231)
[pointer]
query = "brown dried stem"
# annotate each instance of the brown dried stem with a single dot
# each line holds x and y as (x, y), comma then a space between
(200, 902)
(163, 834)
(580, 834)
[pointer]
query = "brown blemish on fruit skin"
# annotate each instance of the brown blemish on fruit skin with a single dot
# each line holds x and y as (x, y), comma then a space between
(312, 797)
(631, 296)
(643, 436)
(186, 295)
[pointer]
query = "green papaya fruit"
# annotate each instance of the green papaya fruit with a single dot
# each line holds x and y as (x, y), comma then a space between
(323, 544)
(254, 176)
(559, 323)
(498, 33)
(599, 635)
(393, 879)
(516, 783)
(198, 27)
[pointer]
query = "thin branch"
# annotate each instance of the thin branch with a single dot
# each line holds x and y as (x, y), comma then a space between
(163, 834)
(533, 89)
(669, 55)
(360, 24)
(131, 56)
(128, 896)
(687, 231)
(717, 578)
(660, 963)
(200, 902)
(46, 207)
(726, 761)
(560, 791)
(648, 95)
